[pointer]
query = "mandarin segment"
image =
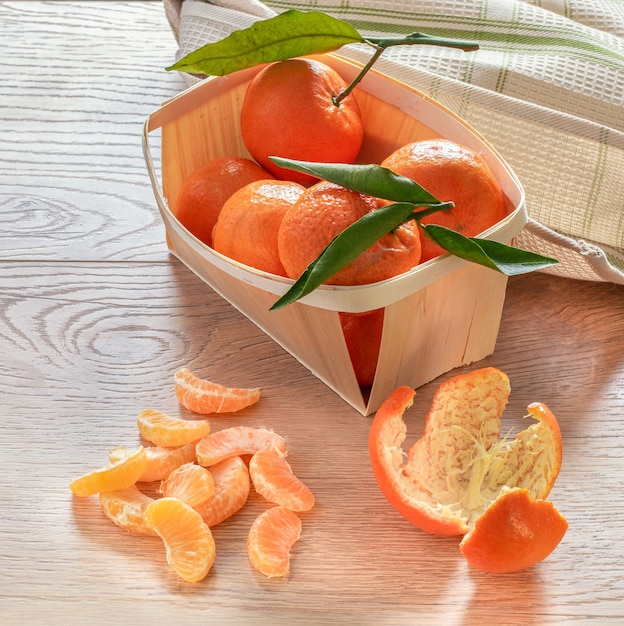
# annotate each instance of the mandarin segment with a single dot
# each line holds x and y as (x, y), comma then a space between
(170, 432)
(515, 532)
(112, 477)
(205, 397)
(160, 461)
(190, 483)
(189, 544)
(232, 486)
(236, 441)
(270, 540)
(274, 479)
(126, 508)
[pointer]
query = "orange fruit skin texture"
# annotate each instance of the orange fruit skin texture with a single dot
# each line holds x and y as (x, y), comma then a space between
(288, 112)
(247, 228)
(451, 172)
(514, 533)
(322, 212)
(270, 540)
(204, 192)
(273, 478)
(362, 333)
(204, 397)
(460, 467)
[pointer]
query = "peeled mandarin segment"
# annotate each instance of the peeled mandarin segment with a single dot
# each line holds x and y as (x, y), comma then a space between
(270, 540)
(188, 541)
(170, 432)
(190, 483)
(232, 486)
(459, 465)
(126, 508)
(112, 477)
(205, 397)
(236, 441)
(160, 461)
(515, 532)
(274, 480)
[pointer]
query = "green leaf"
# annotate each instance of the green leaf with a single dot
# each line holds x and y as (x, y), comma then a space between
(290, 34)
(345, 247)
(497, 256)
(372, 180)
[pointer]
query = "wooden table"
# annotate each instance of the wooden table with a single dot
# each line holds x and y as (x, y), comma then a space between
(96, 316)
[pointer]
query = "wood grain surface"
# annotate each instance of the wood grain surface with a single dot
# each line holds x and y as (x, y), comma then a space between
(96, 316)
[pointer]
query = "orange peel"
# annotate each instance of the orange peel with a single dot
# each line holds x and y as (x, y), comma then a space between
(460, 468)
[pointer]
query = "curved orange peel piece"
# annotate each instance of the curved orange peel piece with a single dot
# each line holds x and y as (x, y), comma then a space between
(515, 532)
(460, 466)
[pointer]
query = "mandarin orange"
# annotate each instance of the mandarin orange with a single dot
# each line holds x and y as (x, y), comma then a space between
(451, 172)
(204, 192)
(362, 333)
(288, 111)
(247, 228)
(325, 210)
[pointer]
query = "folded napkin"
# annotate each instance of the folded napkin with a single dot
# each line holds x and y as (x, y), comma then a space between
(546, 88)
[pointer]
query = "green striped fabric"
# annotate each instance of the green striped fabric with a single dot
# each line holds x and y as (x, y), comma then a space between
(546, 88)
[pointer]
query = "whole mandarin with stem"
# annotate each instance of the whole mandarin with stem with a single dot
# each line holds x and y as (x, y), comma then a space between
(324, 211)
(289, 111)
(249, 222)
(451, 172)
(204, 192)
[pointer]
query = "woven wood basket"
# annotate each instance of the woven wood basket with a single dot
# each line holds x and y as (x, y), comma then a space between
(442, 314)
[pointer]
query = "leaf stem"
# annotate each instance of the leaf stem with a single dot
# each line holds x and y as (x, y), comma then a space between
(381, 43)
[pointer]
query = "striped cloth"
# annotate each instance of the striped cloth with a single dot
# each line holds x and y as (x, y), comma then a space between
(546, 88)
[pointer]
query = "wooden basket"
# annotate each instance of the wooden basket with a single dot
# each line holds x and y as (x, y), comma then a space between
(442, 314)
